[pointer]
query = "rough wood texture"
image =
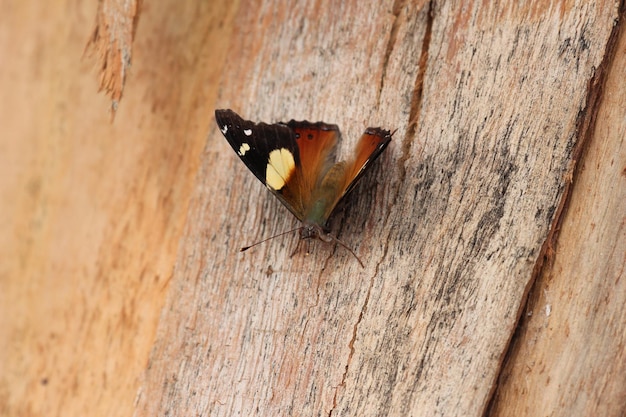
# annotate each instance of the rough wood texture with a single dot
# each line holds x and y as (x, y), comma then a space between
(451, 228)
(569, 358)
(111, 44)
(492, 104)
(92, 212)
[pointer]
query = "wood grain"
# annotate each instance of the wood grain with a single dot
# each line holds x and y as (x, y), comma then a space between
(92, 212)
(111, 44)
(569, 356)
(111, 228)
(451, 224)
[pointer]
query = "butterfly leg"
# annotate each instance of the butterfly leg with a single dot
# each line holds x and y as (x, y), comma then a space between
(296, 250)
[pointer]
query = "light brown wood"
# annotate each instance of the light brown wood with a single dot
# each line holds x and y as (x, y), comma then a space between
(490, 102)
(111, 44)
(92, 212)
(569, 358)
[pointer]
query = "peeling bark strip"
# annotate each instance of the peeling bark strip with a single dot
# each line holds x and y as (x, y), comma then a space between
(111, 43)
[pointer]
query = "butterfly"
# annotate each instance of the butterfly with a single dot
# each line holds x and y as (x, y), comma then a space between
(296, 161)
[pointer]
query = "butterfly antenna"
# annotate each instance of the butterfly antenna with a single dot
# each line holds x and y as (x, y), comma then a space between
(349, 250)
(245, 248)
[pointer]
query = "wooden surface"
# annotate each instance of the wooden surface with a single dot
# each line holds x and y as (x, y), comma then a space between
(571, 344)
(111, 45)
(92, 212)
(112, 229)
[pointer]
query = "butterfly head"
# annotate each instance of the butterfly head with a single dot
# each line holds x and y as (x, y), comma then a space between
(315, 231)
(310, 231)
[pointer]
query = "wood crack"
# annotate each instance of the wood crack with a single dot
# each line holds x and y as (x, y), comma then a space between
(353, 338)
(393, 35)
(585, 126)
(416, 99)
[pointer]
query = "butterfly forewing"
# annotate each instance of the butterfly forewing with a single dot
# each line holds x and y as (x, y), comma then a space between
(255, 142)
(288, 158)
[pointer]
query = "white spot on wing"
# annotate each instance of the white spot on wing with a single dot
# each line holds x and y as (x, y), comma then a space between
(243, 149)
(247, 132)
(280, 167)
(224, 129)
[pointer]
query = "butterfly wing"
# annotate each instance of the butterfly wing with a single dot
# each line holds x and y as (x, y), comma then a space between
(371, 144)
(317, 145)
(288, 158)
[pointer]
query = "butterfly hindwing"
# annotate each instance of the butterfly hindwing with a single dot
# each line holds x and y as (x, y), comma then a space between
(371, 144)
(317, 144)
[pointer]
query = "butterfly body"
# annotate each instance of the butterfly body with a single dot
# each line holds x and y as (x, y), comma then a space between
(296, 162)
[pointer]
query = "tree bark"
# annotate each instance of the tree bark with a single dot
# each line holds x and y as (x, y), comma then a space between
(492, 228)
(93, 211)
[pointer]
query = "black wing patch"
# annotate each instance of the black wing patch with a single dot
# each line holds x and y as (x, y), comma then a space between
(254, 142)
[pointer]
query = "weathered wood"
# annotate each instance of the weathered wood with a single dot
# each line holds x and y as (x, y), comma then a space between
(451, 224)
(92, 212)
(569, 358)
(111, 44)
(488, 102)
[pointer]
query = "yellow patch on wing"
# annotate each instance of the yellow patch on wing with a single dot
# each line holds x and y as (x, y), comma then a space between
(243, 149)
(280, 167)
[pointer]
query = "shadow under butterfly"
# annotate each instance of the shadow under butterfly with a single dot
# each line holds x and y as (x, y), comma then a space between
(297, 162)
